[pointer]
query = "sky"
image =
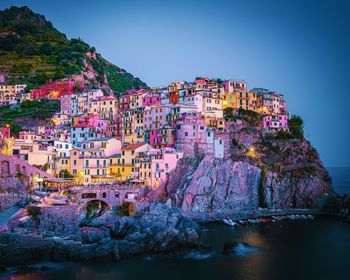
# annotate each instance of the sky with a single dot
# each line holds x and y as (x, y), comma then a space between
(298, 48)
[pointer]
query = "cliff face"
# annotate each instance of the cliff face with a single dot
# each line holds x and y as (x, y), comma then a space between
(214, 185)
(256, 172)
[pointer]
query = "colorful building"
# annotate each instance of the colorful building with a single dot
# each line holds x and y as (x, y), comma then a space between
(273, 123)
(56, 89)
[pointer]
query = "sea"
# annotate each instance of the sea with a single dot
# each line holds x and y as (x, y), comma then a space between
(291, 249)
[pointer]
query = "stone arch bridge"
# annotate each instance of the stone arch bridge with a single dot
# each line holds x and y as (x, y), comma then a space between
(111, 196)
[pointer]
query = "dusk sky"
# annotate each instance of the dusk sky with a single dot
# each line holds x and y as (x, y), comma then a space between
(299, 49)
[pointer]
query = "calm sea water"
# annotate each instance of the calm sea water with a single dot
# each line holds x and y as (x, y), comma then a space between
(341, 179)
(303, 249)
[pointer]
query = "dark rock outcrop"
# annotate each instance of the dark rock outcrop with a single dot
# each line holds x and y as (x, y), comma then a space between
(156, 228)
(238, 249)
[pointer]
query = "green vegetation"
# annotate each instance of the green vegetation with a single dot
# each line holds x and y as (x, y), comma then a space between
(280, 135)
(253, 118)
(34, 212)
(250, 116)
(127, 209)
(32, 51)
(296, 126)
(35, 109)
(65, 174)
(228, 114)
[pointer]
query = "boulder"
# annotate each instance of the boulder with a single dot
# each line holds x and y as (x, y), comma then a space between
(238, 249)
(91, 235)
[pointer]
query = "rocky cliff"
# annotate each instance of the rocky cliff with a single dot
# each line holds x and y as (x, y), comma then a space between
(258, 170)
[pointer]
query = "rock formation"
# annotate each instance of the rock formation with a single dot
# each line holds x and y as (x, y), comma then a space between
(256, 172)
(155, 228)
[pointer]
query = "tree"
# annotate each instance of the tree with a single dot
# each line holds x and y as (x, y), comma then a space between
(228, 113)
(15, 128)
(296, 126)
(46, 48)
(77, 88)
(65, 174)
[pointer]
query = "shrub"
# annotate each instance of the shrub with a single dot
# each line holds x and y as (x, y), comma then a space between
(296, 126)
(34, 212)
(123, 210)
(250, 116)
(228, 114)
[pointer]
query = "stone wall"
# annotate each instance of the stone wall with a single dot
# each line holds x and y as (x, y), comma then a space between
(16, 174)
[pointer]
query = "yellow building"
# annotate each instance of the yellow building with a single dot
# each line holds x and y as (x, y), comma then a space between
(12, 89)
(241, 99)
(128, 158)
(129, 134)
(105, 106)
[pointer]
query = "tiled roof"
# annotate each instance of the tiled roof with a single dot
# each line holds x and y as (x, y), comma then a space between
(131, 147)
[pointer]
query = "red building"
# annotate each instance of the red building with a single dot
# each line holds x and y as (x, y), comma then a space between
(55, 89)
(124, 102)
(174, 97)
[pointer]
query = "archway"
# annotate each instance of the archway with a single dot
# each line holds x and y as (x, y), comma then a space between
(5, 168)
(95, 207)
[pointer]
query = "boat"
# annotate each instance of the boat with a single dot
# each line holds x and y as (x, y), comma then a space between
(253, 221)
(264, 220)
(242, 222)
(229, 222)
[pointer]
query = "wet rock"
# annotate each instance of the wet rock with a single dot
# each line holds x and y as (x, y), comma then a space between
(91, 235)
(238, 249)
(156, 228)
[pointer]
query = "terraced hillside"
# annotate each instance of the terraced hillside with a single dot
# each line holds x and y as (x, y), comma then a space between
(32, 51)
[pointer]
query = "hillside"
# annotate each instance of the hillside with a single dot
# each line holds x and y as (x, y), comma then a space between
(32, 51)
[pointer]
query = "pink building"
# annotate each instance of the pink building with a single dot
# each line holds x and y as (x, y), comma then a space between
(155, 167)
(92, 120)
(124, 102)
(193, 99)
(152, 99)
(275, 123)
(231, 86)
(191, 127)
(156, 116)
(162, 137)
(4, 132)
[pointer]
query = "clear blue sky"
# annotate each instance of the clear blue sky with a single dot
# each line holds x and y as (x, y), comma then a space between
(298, 48)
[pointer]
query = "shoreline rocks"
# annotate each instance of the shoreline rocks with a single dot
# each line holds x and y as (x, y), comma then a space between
(155, 228)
